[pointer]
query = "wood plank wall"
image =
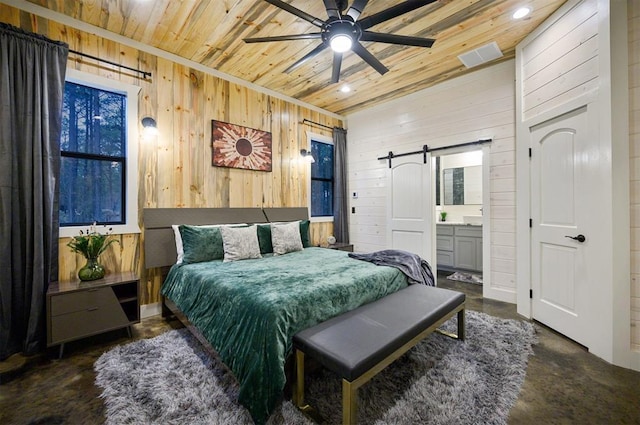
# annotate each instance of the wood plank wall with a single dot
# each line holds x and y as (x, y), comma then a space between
(175, 169)
(634, 168)
(562, 63)
(478, 105)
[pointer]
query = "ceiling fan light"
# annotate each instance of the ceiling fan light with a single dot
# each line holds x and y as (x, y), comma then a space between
(341, 43)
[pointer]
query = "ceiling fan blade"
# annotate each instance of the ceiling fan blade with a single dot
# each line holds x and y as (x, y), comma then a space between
(337, 63)
(396, 39)
(392, 12)
(359, 50)
(356, 9)
(295, 11)
(311, 36)
(306, 57)
(332, 9)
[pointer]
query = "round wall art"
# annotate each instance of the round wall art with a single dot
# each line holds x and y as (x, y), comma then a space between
(235, 146)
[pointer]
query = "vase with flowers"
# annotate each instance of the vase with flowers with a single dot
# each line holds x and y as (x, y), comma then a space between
(91, 244)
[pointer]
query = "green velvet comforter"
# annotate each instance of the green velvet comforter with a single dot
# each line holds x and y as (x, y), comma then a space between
(249, 310)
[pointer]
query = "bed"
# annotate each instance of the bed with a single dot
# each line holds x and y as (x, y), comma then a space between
(249, 310)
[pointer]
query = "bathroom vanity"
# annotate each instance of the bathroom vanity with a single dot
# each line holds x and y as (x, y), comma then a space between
(459, 246)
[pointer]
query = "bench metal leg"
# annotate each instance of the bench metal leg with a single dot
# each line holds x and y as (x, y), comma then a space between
(298, 389)
(461, 325)
(349, 403)
(461, 328)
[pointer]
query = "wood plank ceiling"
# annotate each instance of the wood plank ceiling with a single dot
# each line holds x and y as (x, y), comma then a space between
(211, 32)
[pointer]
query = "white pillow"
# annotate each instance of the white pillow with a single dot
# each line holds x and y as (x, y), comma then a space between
(286, 238)
(240, 243)
(178, 238)
(179, 247)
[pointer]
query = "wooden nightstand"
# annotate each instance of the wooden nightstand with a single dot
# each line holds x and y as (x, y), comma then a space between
(77, 309)
(341, 246)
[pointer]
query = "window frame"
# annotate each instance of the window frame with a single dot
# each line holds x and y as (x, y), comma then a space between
(131, 162)
(314, 137)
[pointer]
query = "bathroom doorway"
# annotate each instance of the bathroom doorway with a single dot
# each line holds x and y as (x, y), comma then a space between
(460, 197)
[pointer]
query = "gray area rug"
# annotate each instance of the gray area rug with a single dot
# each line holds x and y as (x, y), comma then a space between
(170, 379)
(466, 277)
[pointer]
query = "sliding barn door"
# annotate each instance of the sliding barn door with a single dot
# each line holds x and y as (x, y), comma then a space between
(410, 215)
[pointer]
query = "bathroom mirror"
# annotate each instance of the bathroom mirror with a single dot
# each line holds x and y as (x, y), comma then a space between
(462, 185)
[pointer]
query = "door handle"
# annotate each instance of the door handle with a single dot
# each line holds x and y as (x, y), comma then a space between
(579, 238)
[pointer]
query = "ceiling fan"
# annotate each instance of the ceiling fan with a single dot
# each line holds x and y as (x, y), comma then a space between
(343, 31)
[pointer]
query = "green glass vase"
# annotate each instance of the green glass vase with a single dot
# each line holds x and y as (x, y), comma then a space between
(92, 270)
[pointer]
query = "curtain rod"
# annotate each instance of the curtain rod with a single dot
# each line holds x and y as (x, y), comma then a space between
(426, 149)
(145, 74)
(305, 121)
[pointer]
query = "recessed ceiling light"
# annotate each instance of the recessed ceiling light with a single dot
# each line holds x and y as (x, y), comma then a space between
(345, 89)
(521, 13)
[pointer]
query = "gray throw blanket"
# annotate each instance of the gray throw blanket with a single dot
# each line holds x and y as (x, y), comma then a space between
(413, 266)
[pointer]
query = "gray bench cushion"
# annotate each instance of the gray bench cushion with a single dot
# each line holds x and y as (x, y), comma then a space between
(354, 342)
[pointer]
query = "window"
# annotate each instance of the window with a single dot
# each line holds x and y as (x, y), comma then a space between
(98, 145)
(322, 178)
(93, 155)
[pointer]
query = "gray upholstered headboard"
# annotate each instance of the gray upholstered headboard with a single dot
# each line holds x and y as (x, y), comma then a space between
(159, 238)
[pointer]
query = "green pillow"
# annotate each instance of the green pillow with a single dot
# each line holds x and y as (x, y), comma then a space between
(201, 243)
(264, 238)
(304, 233)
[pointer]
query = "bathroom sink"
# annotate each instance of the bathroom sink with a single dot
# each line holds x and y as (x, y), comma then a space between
(472, 219)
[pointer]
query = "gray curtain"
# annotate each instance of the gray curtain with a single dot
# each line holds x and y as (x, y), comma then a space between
(32, 70)
(340, 207)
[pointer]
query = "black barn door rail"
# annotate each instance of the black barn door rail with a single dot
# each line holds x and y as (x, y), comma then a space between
(426, 149)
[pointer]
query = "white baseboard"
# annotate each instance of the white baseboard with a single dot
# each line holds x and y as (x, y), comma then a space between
(148, 310)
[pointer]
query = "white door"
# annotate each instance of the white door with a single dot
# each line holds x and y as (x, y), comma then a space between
(410, 224)
(561, 200)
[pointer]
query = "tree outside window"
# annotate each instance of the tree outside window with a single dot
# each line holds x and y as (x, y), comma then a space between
(321, 179)
(93, 156)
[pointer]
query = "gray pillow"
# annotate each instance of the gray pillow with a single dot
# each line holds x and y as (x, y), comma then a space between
(286, 238)
(240, 243)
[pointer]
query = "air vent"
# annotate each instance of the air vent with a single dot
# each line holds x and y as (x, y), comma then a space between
(481, 55)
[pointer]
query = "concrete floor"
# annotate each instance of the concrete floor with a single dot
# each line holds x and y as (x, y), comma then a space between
(564, 384)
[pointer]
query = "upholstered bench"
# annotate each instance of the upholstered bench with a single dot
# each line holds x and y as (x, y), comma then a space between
(358, 344)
